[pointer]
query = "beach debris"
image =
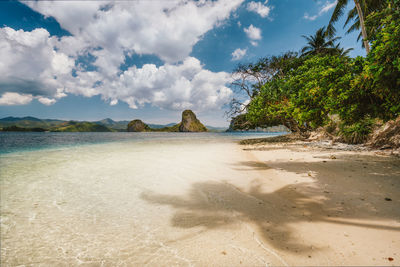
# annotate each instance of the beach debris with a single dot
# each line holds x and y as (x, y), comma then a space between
(324, 161)
(332, 157)
(388, 199)
(390, 259)
(310, 173)
(223, 252)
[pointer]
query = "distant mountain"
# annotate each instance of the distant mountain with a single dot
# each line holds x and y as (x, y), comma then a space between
(77, 126)
(110, 123)
(14, 119)
(28, 123)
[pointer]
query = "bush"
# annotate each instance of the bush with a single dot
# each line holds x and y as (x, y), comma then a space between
(358, 132)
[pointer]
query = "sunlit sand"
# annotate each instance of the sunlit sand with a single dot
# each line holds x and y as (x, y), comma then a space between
(198, 203)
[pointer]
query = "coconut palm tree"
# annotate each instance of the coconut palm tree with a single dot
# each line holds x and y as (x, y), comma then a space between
(358, 13)
(341, 51)
(320, 43)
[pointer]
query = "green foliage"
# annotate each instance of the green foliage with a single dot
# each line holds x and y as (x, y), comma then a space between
(74, 126)
(382, 71)
(320, 85)
(15, 128)
(358, 132)
(331, 127)
(321, 44)
(316, 85)
(306, 96)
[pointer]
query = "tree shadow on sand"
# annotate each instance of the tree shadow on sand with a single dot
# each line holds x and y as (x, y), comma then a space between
(220, 205)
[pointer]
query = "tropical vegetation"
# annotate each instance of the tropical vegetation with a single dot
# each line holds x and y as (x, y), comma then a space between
(322, 86)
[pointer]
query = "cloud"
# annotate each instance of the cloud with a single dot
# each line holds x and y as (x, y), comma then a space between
(253, 33)
(30, 65)
(253, 43)
(168, 29)
(171, 86)
(325, 8)
(238, 54)
(48, 68)
(46, 101)
(33, 69)
(9, 99)
(261, 9)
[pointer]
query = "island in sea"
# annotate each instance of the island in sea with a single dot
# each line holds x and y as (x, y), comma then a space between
(189, 123)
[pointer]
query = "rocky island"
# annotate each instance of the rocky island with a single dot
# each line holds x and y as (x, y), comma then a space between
(189, 123)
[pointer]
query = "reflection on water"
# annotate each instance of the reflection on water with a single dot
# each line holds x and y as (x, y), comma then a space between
(20, 141)
(82, 204)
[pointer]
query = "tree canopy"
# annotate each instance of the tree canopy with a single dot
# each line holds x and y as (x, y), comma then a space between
(322, 84)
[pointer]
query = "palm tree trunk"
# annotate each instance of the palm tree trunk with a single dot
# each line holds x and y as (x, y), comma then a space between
(362, 24)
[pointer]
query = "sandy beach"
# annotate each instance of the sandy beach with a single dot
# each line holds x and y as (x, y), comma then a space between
(200, 203)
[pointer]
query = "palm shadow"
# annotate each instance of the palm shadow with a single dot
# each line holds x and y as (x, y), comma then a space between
(213, 205)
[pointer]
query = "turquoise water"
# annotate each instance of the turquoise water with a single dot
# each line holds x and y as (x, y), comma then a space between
(18, 142)
(126, 199)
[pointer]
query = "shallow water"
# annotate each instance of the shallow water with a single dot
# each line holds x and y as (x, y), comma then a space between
(28, 141)
(114, 199)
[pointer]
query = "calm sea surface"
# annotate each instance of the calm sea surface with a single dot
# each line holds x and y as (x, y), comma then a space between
(125, 199)
(18, 142)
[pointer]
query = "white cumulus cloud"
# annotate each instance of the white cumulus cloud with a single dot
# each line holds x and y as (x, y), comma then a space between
(9, 99)
(30, 65)
(261, 9)
(36, 65)
(171, 86)
(253, 33)
(238, 54)
(325, 8)
(168, 29)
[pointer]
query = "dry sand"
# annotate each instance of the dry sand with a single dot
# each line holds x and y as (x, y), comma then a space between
(199, 204)
(329, 207)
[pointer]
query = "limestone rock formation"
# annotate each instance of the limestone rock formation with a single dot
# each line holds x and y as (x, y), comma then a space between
(138, 126)
(190, 123)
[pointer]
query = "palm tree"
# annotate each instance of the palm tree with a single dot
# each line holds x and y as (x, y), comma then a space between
(358, 13)
(341, 51)
(320, 43)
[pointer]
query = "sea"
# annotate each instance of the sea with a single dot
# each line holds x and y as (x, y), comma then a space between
(125, 199)
(11, 142)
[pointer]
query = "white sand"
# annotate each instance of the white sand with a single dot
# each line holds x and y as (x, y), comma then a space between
(198, 203)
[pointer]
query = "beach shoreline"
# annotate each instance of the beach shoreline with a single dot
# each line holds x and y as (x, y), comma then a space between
(342, 200)
(200, 204)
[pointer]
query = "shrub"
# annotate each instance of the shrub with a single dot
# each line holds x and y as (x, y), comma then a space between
(358, 132)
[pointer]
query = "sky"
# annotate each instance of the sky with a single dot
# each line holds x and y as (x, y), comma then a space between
(149, 60)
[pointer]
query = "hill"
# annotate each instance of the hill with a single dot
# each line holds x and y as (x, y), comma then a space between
(75, 126)
(29, 122)
(189, 123)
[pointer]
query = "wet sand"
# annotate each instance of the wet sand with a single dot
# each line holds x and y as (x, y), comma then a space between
(199, 203)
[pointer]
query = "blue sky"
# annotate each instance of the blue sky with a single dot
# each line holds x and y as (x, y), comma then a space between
(142, 59)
